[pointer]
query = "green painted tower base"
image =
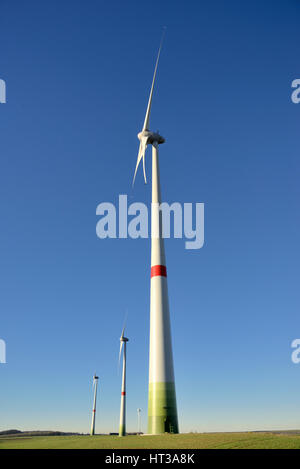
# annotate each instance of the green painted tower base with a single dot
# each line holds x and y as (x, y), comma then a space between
(122, 430)
(162, 409)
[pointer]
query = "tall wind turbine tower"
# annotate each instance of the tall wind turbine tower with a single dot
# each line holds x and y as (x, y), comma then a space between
(95, 385)
(122, 428)
(162, 408)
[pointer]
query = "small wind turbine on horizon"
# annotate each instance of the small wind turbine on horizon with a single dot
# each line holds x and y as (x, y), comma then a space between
(95, 385)
(123, 342)
(139, 420)
(162, 408)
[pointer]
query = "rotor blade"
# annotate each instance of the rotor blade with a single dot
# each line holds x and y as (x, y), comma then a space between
(121, 345)
(141, 155)
(146, 122)
(125, 318)
(144, 169)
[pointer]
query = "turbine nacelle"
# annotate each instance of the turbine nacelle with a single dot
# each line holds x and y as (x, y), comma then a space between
(150, 137)
(124, 339)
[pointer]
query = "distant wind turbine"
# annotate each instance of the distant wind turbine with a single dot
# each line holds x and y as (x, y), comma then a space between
(95, 384)
(162, 408)
(139, 420)
(122, 428)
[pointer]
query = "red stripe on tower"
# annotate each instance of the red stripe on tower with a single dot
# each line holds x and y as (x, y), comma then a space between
(158, 270)
(123, 393)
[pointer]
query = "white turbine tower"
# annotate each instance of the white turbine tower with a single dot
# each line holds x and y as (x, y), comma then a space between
(122, 428)
(162, 408)
(95, 384)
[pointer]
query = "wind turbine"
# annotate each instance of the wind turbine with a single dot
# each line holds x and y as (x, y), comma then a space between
(122, 428)
(139, 420)
(95, 384)
(162, 408)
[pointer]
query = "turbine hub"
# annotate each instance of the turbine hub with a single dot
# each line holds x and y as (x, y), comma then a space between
(151, 137)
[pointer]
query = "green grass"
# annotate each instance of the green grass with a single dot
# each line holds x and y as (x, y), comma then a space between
(184, 441)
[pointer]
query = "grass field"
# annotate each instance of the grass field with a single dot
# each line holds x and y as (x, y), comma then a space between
(184, 441)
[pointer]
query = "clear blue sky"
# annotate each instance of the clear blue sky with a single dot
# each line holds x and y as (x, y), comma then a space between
(78, 76)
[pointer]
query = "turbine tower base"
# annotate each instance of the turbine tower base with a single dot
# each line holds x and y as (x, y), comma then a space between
(162, 411)
(122, 430)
